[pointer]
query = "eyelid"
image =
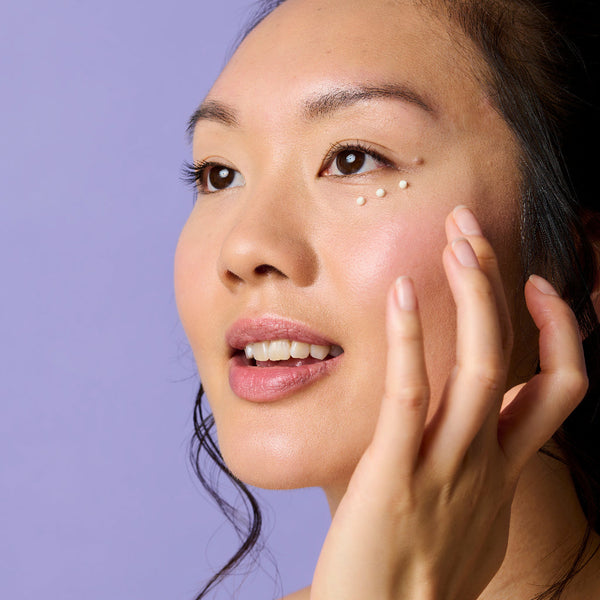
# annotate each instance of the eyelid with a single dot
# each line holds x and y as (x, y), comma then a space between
(353, 145)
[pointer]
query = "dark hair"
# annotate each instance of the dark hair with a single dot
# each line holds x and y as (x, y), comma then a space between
(542, 74)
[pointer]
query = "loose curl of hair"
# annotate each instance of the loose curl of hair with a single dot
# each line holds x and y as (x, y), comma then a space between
(542, 75)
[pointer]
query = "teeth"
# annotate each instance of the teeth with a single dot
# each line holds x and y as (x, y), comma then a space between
(335, 351)
(319, 352)
(279, 350)
(285, 349)
(260, 350)
(299, 350)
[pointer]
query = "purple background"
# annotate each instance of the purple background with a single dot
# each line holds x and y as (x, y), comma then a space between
(97, 380)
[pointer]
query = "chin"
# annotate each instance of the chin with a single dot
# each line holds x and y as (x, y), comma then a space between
(270, 474)
(278, 462)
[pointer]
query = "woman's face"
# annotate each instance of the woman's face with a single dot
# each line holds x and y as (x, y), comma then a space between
(325, 102)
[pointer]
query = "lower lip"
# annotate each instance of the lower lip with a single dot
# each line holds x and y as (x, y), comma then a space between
(267, 384)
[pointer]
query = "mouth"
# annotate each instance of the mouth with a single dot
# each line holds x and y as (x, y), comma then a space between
(272, 358)
(287, 353)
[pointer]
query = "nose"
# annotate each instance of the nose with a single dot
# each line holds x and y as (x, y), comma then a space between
(269, 241)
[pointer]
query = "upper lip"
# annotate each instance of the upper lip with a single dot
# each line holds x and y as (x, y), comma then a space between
(269, 328)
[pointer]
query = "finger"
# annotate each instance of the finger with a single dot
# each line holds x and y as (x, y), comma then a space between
(474, 394)
(461, 222)
(405, 402)
(542, 405)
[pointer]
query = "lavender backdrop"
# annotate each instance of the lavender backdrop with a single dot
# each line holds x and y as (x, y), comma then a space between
(96, 378)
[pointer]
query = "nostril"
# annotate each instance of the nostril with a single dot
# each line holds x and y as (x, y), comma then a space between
(266, 269)
(231, 276)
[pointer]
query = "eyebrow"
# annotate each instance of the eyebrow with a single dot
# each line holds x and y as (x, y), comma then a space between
(212, 110)
(319, 107)
(335, 100)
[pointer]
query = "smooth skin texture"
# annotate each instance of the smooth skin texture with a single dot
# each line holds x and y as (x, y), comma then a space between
(446, 490)
(405, 437)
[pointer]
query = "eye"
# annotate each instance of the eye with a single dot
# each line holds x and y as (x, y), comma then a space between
(344, 160)
(219, 177)
(210, 177)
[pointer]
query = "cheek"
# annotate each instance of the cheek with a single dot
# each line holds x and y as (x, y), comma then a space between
(373, 257)
(194, 264)
(197, 296)
(377, 256)
(185, 271)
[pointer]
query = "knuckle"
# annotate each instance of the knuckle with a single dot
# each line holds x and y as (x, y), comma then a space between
(575, 383)
(489, 378)
(414, 396)
(404, 507)
(482, 292)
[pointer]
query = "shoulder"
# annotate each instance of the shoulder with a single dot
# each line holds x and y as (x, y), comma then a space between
(303, 594)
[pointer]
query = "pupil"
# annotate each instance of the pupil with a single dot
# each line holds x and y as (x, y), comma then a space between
(350, 161)
(221, 178)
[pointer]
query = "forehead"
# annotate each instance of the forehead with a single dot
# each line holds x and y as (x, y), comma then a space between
(306, 46)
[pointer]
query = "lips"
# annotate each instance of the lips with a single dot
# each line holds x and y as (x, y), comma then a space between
(250, 331)
(274, 380)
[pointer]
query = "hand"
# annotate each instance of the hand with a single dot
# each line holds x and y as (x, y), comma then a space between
(427, 511)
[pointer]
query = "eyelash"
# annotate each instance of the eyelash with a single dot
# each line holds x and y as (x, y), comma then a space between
(193, 173)
(340, 147)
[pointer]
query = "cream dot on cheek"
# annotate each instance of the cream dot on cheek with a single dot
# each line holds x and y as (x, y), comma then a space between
(361, 201)
(403, 184)
(380, 193)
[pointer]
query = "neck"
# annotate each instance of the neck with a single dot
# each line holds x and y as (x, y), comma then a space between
(546, 531)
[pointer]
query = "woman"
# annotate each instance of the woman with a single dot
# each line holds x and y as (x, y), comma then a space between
(377, 181)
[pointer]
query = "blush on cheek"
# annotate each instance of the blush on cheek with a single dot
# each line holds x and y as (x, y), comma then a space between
(382, 254)
(413, 249)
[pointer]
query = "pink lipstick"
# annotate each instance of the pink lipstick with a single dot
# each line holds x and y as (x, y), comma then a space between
(264, 380)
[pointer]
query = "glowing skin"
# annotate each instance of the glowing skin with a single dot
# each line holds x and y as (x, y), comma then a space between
(283, 239)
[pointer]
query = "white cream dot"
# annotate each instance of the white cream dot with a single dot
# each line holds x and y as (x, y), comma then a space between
(403, 184)
(360, 201)
(380, 193)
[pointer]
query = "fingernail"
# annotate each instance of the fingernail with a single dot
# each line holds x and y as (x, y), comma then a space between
(542, 285)
(464, 253)
(405, 293)
(466, 221)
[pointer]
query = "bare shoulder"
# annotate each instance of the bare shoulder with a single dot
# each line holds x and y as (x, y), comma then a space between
(303, 594)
